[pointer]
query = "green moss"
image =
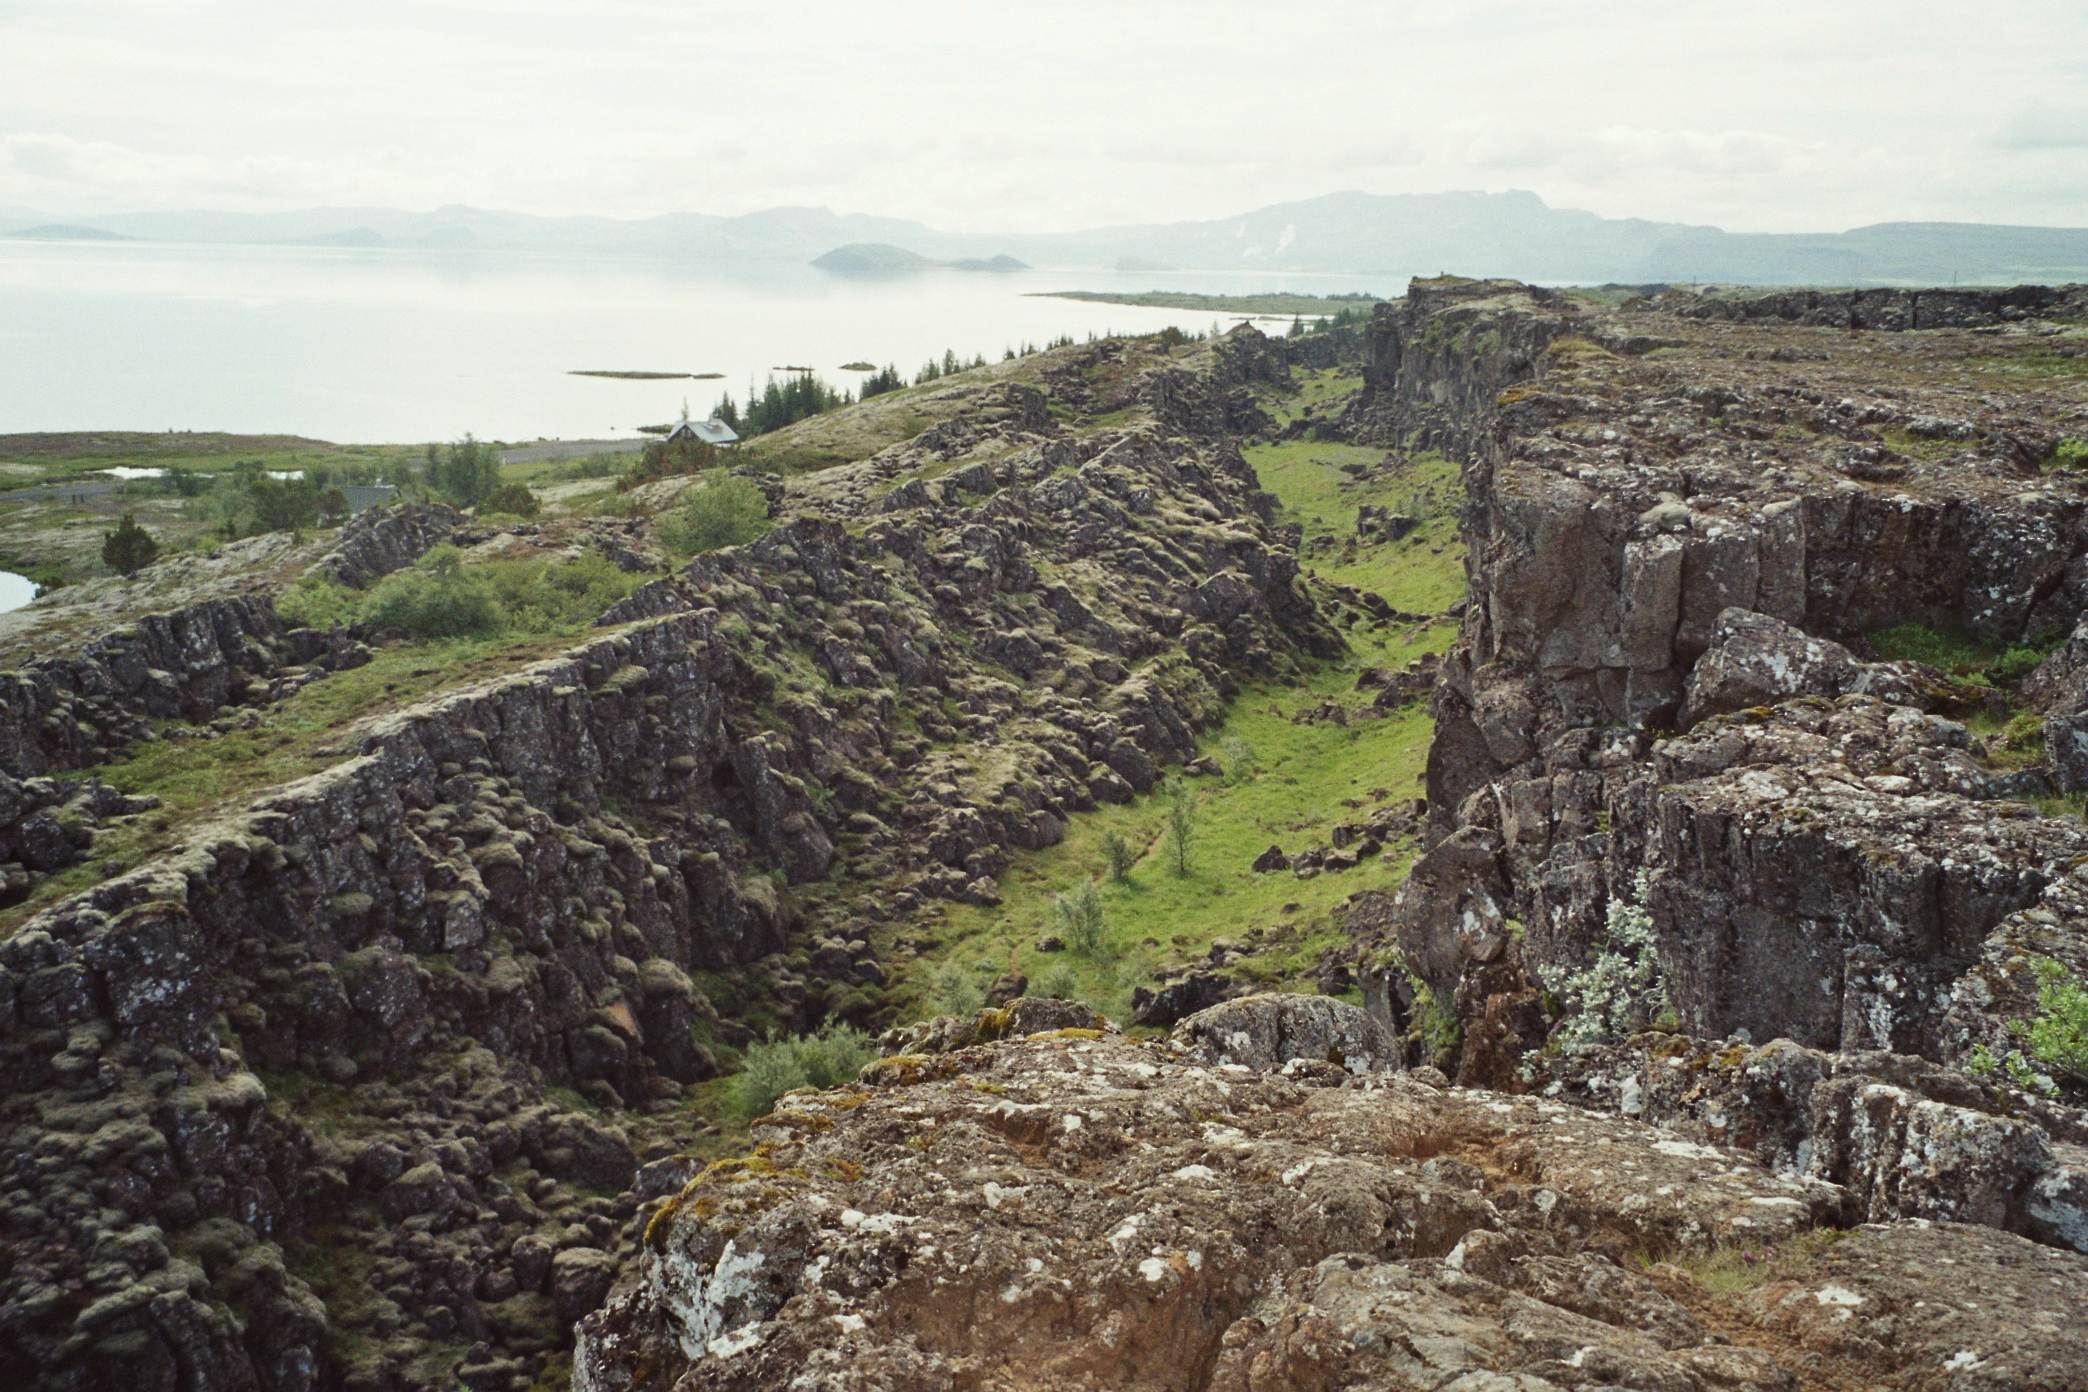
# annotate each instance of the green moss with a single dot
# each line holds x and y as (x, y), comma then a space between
(1962, 654)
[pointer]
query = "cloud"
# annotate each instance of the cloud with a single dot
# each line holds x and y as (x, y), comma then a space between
(1724, 153)
(2045, 126)
(1045, 115)
(53, 165)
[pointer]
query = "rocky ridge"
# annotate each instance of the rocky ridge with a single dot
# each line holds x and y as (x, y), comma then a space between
(286, 1113)
(1682, 532)
(1669, 530)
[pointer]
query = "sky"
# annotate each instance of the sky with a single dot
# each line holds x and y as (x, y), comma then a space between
(1052, 115)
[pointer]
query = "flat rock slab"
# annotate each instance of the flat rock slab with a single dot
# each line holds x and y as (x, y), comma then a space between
(1095, 1211)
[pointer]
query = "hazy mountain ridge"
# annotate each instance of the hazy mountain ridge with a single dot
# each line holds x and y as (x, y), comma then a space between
(1502, 234)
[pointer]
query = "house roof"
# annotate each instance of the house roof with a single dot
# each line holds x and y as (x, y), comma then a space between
(712, 432)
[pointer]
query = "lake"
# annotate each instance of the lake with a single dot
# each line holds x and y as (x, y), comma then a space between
(15, 590)
(373, 346)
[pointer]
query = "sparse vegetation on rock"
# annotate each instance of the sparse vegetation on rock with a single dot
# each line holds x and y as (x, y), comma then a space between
(457, 980)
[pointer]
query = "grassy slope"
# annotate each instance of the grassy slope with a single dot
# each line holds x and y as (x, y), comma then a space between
(1309, 775)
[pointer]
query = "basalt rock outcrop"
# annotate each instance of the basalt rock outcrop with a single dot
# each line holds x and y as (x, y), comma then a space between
(1686, 519)
(1907, 1137)
(1075, 1210)
(92, 705)
(362, 1084)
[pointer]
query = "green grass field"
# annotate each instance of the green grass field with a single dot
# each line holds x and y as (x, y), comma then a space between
(1307, 778)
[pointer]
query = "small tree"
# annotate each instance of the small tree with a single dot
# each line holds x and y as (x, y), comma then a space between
(1121, 856)
(464, 473)
(130, 548)
(283, 505)
(1078, 916)
(333, 508)
(669, 459)
(1181, 825)
(954, 990)
(1240, 763)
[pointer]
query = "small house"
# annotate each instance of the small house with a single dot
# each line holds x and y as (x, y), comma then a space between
(711, 432)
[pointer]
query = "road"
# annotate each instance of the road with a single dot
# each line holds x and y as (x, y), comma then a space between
(571, 449)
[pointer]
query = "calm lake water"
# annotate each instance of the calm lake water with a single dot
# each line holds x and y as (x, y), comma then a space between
(15, 590)
(384, 345)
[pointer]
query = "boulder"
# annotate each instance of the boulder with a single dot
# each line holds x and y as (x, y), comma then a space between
(580, 1278)
(1177, 1000)
(1755, 660)
(1300, 1227)
(1267, 1032)
(422, 1189)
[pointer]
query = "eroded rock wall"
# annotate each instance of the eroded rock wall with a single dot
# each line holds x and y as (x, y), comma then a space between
(1677, 521)
(289, 1107)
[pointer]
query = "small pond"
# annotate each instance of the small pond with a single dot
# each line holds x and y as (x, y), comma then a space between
(15, 590)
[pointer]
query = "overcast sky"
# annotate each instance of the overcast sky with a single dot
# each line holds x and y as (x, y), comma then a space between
(1050, 115)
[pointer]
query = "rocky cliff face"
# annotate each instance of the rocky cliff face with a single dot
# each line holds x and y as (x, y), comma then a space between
(287, 1107)
(1232, 1210)
(1685, 519)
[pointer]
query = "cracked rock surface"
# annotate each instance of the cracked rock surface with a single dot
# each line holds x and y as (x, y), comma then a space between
(1081, 1210)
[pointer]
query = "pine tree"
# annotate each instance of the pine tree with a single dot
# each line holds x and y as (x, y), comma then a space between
(130, 548)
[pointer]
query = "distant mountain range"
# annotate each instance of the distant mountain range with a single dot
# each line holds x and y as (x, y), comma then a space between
(1511, 234)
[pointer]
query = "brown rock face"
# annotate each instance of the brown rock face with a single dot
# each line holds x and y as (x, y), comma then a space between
(1093, 1212)
(1703, 539)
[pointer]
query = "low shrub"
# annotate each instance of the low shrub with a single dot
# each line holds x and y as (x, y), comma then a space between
(511, 500)
(440, 597)
(314, 602)
(1057, 982)
(437, 598)
(833, 1054)
(546, 596)
(1623, 988)
(1238, 756)
(955, 989)
(2057, 1035)
(723, 511)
